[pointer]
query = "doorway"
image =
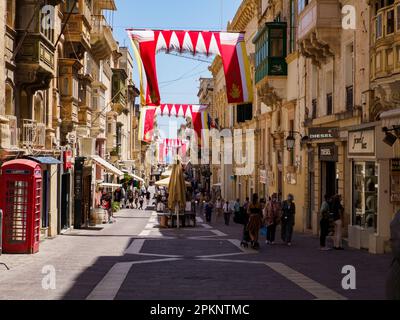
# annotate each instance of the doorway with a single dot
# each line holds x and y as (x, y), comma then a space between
(329, 183)
(65, 200)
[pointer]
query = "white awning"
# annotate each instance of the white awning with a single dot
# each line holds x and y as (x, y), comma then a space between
(107, 166)
(111, 185)
(390, 118)
(136, 177)
(217, 184)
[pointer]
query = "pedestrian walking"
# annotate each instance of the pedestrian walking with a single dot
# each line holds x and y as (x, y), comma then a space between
(272, 213)
(130, 198)
(218, 208)
(337, 216)
(136, 200)
(255, 221)
(118, 196)
(106, 201)
(246, 204)
(208, 209)
(288, 220)
(227, 212)
(141, 200)
(324, 223)
(393, 279)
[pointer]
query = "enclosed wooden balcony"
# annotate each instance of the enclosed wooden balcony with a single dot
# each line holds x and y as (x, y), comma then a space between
(385, 40)
(102, 39)
(320, 24)
(79, 23)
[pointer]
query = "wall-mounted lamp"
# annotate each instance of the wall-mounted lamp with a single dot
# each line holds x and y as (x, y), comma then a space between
(291, 140)
(391, 138)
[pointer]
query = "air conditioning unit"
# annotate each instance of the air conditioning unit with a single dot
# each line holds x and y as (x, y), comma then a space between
(87, 146)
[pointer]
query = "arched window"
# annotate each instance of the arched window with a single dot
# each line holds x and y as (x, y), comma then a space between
(9, 99)
(38, 108)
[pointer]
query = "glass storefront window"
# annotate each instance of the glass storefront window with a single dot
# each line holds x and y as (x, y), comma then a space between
(365, 194)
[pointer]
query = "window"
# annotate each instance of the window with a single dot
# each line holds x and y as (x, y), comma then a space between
(244, 112)
(365, 193)
(398, 18)
(378, 26)
(10, 18)
(291, 152)
(270, 43)
(329, 104)
(72, 6)
(314, 109)
(390, 22)
(292, 26)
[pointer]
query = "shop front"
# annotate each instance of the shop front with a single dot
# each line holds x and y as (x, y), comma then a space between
(371, 208)
(325, 172)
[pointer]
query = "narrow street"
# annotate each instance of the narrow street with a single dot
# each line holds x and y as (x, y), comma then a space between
(133, 259)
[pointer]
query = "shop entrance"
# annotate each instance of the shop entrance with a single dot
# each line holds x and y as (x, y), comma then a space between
(65, 200)
(329, 183)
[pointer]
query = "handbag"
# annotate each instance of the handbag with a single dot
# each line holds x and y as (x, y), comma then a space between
(264, 231)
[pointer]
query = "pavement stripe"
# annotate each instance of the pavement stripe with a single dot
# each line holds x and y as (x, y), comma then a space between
(207, 226)
(237, 243)
(221, 255)
(218, 233)
(135, 247)
(108, 287)
(316, 289)
(145, 233)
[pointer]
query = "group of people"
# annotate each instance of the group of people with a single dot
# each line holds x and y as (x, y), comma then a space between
(268, 214)
(254, 215)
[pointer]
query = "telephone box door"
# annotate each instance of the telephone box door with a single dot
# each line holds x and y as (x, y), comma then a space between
(21, 181)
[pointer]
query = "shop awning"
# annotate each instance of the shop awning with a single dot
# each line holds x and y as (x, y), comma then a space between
(217, 184)
(134, 176)
(110, 185)
(46, 160)
(390, 118)
(107, 166)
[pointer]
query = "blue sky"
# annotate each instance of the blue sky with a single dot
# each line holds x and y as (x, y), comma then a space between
(178, 77)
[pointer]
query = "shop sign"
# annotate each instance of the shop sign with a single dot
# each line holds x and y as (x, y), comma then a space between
(328, 153)
(395, 181)
(395, 164)
(291, 178)
(320, 133)
(67, 160)
(361, 142)
(263, 176)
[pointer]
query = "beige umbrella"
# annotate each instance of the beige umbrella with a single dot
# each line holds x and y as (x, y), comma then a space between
(177, 190)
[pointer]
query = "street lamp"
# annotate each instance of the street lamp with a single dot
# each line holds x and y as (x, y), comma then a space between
(291, 140)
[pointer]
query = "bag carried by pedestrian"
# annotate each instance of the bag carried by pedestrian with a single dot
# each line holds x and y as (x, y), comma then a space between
(264, 231)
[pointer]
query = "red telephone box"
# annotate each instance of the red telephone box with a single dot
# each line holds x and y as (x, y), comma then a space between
(21, 199)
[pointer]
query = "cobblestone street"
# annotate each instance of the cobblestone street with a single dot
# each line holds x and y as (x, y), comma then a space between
(134, 259)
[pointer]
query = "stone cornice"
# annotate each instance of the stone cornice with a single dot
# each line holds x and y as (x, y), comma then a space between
(246, 12)
(215, 66)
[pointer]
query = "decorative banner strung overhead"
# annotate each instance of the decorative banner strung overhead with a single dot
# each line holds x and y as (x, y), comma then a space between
(146, 123)
(230, 46)
(179, 110)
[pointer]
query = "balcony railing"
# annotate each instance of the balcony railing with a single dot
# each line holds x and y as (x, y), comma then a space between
(349, 98)
(33, 134)
(102, 40)
(13, 129)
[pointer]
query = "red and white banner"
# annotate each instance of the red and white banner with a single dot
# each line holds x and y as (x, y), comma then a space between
(229, 45)
(179, 110)
(146, 123)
